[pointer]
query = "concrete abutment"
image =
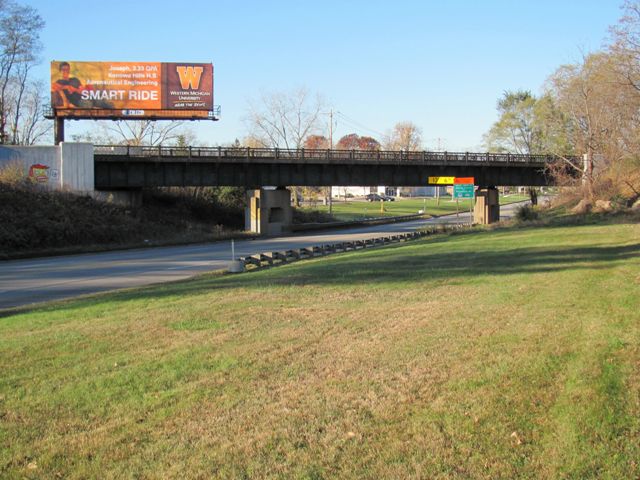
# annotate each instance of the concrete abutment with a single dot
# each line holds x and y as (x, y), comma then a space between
(487, 209)
(268, 211)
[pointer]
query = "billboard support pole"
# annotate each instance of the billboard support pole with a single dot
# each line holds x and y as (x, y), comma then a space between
(58, 130)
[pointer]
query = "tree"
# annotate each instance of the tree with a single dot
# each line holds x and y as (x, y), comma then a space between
(529, 125)
(625, 56)
(20, 109)
(349, 142)
(602, 112)
(285, 119)
(316, 142)
(353, 141)
(625, 44)
(149, 132)
(405, 136)
(138, 133)
(515, 129)
(552, 128)
(368, 143)
(28, 126)
(252, 142)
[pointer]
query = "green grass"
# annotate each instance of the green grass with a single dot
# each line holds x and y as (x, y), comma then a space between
(498, 354)
(357, 209)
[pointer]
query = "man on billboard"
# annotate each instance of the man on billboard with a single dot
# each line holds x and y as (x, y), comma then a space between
(66, 92)
(154, 90)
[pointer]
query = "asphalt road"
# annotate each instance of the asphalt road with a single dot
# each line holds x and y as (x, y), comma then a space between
(25, 282)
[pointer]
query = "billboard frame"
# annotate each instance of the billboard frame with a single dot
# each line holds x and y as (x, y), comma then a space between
(175, 92)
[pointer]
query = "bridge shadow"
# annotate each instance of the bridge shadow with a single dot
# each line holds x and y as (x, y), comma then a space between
(395, 264)
(403, 265)
(395, 267)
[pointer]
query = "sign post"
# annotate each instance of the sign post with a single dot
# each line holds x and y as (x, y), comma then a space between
(463, 187)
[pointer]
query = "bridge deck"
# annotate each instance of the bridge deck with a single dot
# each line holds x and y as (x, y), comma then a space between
(208, 154)
(135, 167)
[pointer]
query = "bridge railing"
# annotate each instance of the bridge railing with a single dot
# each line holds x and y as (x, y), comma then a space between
(318, 155)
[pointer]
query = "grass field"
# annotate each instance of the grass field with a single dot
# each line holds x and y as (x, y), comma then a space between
(357, 209)
(498, 354)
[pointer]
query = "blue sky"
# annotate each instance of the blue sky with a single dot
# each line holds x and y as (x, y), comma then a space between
(441, 65)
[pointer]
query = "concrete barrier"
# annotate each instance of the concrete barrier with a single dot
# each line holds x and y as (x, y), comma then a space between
(279, 258)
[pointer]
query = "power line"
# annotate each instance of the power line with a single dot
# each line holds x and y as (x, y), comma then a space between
(355, 124)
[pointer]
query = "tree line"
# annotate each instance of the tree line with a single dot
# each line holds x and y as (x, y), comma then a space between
(589, 108)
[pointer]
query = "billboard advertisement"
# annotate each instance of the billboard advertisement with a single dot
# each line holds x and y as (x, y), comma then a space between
(131, 89)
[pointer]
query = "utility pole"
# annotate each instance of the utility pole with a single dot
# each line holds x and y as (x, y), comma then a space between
(331, 129)
(331, 148)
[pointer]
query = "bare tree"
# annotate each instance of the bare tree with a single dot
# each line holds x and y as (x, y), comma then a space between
(147, 132)
(625, 44)
(29, 126)
(138, 132)
(252, 142)
(625, 55)
(19, 47)
(285, 119)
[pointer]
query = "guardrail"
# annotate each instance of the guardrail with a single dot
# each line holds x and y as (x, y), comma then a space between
(286, 256)
(320, 155)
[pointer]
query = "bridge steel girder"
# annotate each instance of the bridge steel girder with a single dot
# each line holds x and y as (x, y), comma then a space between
(123, 172)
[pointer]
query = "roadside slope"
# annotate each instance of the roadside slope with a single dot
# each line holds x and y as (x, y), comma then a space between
(35, 222)
(485, 355)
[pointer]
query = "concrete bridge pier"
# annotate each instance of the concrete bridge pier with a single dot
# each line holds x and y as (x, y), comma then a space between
(268, 211)
(487, 209)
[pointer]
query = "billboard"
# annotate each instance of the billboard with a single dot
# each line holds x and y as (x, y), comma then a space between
(132, 89)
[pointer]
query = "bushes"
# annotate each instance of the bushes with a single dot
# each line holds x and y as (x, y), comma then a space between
(218, 205)
(311, 216)
(12, 174)
(37, 221)
(34, 219)
(527, 213)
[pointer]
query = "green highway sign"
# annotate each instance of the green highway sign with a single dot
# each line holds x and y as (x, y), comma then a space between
(463, 191)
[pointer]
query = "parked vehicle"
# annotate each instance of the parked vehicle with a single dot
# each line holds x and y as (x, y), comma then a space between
(376, 197)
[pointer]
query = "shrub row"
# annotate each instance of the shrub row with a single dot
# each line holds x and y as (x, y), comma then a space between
(32, 219)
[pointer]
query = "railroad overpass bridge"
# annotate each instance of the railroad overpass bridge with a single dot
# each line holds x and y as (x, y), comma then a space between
(121, 172)
(129, 169)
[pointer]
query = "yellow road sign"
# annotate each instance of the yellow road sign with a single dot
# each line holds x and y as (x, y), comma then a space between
(442, 180)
